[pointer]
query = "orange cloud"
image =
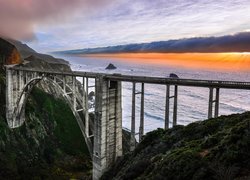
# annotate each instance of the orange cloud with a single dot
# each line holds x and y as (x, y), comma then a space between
(209, 61)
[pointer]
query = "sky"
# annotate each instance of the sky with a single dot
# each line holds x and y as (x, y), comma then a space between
(55, 25)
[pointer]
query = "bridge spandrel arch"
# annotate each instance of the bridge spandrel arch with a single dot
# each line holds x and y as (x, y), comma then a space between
(19, 86)
(106, 146)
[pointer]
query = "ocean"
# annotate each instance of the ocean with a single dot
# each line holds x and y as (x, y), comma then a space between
(192, 102)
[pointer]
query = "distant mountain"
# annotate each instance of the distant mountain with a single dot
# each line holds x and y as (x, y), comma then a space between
(231, 43)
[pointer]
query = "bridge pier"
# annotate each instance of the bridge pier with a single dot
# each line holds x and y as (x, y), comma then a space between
(211, 100)
(9, 98)
(108, 125)
(141, 128)
(15, 96)
(132, 133)
(167, 106)
(217, 96)
(175, 105)
(85, 105)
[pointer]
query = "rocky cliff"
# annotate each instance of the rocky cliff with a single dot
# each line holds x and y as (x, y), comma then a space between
(8, 53)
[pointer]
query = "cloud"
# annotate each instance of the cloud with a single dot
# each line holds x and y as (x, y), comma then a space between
(19, 17)
(139, 21)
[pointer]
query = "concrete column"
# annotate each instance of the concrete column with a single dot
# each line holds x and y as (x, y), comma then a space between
(22, 98)
(114, 128)
(9, 98)
(99, 150)
(16, 84)
(217, 96)
(85, 107)
(64, 83)
(21, 81)
(210, 103)
(167, 107)
(141, 129)
(87, 89)
(108, 125)
(118, 102)
(74, 91)
(26, 77)
(132, 135)
(175, 105)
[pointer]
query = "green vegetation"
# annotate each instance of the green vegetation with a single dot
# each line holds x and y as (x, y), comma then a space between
(213, 149)
(66, 129)
(48, 146)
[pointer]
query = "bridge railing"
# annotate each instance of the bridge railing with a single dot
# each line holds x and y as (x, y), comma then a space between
(149, 79)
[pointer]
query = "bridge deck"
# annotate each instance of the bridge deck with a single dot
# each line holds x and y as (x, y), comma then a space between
(148, 79)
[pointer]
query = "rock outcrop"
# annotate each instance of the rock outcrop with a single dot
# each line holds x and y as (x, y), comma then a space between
(8, 53)
(173, 75)
(111, 67)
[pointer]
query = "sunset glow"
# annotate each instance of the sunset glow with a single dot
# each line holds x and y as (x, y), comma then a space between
(209, 61)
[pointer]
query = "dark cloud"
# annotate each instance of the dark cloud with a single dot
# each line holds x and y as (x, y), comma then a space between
(18, 17)
(231, 43)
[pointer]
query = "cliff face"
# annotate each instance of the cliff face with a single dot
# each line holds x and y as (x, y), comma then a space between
(214, 149)
(9, 53)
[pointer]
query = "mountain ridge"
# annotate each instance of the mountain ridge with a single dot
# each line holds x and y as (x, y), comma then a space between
(239, 42)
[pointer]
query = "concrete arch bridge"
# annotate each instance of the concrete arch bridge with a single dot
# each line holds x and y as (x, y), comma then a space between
(103, 136)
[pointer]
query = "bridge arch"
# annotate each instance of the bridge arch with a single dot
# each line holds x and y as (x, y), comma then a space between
(107, 125)
(18, 116)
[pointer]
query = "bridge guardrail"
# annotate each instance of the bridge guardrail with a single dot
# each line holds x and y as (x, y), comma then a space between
(148, 79)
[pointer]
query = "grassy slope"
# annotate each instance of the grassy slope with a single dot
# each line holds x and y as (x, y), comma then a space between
(49, 145)
(213, 149)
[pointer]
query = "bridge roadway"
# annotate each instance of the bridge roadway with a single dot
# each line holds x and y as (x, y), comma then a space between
(149, 79)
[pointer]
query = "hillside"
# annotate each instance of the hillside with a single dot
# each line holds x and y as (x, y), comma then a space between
(26, 52)
(213, 149)
(50, 144)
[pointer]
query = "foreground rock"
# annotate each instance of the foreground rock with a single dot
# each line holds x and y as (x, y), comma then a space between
(213, 149)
